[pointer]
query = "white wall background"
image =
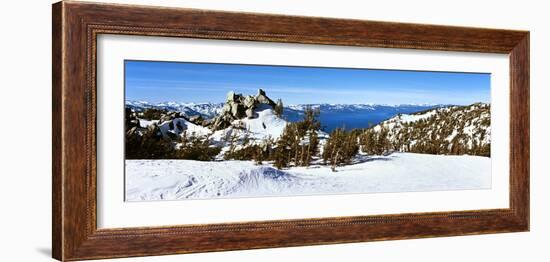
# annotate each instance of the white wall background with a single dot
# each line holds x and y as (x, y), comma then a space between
(25, 94)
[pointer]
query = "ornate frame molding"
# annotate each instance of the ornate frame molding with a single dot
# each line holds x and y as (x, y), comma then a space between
(76, 26)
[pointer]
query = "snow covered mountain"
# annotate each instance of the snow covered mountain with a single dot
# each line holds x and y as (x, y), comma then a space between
(266, 125)
(446, 130)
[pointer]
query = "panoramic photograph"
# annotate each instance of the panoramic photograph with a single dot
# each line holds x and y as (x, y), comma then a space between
(212, 130)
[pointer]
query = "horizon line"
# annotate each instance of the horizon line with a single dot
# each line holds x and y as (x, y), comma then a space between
(305, 104)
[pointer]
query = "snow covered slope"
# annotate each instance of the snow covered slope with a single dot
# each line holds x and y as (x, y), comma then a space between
(398, 172)
(459, 128)
(179, 125)
(265, 125)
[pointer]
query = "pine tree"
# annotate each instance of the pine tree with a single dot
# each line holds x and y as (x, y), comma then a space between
(232, 141)
(196, 148)
(313, 145)
(282, 151)
(279, 108)
(368, 141)
(298, 143)
(382, 142)
(340, 148)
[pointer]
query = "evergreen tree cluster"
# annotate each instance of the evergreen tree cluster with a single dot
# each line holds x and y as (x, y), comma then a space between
(297, 145)
(152, 113)
(196, 148)
(258, 152)
(341, 147)
(376, 143)
(149, 143)
(299, 142)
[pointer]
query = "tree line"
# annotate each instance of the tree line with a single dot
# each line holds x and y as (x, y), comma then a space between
(300, 144)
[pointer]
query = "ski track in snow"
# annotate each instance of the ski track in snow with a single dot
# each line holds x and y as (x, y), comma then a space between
(399, 172)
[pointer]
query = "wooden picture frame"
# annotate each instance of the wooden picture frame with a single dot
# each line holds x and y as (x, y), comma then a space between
(76, 26)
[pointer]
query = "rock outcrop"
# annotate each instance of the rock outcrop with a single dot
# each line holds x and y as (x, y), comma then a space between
(171, 116)
(131, 119)
(238, 106)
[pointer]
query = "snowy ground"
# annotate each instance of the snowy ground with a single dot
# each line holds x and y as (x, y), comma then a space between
(398, 172)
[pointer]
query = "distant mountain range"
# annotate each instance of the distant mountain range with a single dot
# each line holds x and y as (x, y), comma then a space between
(206, 110)
(332, 116)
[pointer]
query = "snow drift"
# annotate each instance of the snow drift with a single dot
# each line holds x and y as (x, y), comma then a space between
(399, 172)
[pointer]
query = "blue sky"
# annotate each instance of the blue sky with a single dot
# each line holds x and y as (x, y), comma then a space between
(204, 82)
